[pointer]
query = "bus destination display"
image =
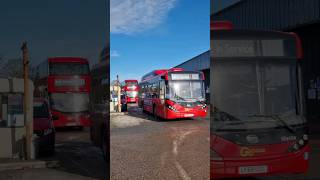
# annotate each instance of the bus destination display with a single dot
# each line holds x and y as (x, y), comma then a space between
(188, 76)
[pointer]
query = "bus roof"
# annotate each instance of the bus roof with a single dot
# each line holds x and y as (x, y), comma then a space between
(68, 59)
(160, 72)
(130, 80)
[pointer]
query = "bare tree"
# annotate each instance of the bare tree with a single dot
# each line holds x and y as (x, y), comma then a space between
(11, 67)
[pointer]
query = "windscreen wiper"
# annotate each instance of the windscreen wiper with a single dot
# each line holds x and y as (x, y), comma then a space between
(228, 119)
(278, 119)
(178, 97)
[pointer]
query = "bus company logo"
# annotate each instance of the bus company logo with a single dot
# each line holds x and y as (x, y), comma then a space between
(252, 139)
(249, 152)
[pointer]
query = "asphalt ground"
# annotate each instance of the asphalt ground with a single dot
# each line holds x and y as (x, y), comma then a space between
(77, 155)
(145, 148)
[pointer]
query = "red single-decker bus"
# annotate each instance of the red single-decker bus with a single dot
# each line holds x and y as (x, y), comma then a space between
(173, 93)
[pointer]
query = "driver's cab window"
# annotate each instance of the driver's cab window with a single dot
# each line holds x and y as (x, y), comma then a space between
(162, 90)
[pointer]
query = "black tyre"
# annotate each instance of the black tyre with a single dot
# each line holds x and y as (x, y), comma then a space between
(155, 113)
(143, 110)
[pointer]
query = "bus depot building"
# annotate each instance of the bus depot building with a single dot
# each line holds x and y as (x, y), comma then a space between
(199, 63)
(300, 17)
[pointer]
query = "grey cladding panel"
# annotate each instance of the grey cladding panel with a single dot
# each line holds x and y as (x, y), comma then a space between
(271, 14)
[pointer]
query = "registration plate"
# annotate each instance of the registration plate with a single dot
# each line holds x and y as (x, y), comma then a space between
(253, 169)
(188, 115)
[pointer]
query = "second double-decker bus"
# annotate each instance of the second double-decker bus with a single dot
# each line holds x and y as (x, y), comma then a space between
(173, 93)
(131, 89)
(258, 125)
(65, 81)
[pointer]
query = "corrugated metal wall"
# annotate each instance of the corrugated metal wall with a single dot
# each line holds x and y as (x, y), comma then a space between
(197, 63)
(271, 14)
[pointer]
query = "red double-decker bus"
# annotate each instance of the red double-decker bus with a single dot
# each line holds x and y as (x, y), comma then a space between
(258, 125)
(65, 81)
(173, 93)
(131, 89)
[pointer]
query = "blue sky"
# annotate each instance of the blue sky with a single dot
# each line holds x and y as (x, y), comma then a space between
(147, 35)
(53, 28)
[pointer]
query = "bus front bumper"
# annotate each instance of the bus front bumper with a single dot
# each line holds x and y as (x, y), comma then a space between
(291, 164)
(198, 113)
(82, 120)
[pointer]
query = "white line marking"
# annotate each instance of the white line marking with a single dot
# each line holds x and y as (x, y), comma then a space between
(175, 147)
(182, 172)
(175, 144)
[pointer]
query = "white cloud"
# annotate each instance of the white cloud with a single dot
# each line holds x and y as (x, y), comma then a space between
(114, 53)
(132, 16)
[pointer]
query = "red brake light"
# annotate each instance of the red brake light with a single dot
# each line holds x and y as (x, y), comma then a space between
(221, 25)
(176, 69)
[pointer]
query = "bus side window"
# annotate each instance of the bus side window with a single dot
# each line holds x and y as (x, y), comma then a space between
(153, 90)
(148, 91)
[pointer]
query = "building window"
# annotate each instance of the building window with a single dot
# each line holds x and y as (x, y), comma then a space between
(11, 110)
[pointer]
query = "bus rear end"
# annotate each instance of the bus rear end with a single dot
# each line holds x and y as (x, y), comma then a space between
(68, 90)
(258, 126)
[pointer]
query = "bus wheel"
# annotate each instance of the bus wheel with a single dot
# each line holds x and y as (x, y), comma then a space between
(154, 113)
(143, 110)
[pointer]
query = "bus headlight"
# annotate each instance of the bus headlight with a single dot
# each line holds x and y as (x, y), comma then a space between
(171, 108)
(299, 144)
(203, 106)
(305, 137)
